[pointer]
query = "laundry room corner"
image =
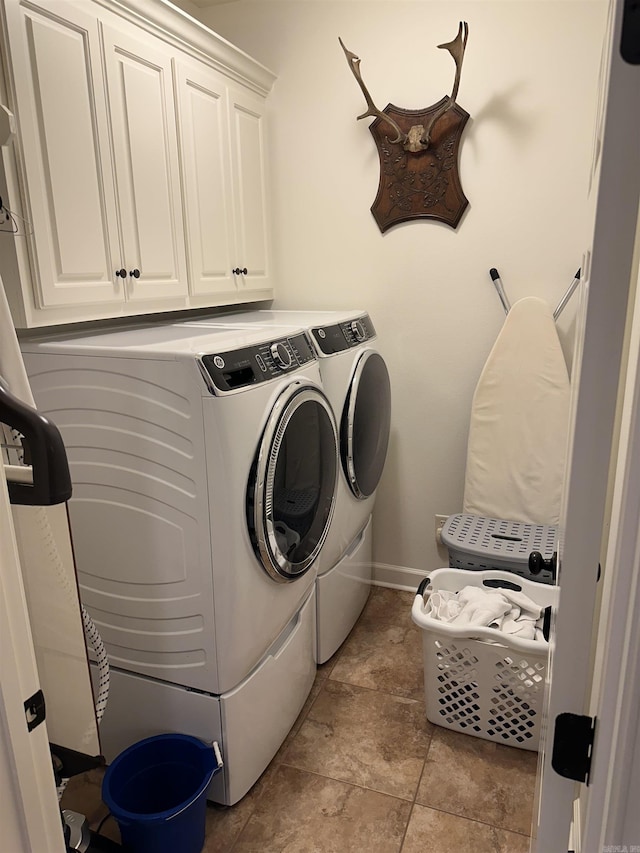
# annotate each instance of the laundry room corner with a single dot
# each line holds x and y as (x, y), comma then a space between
(525, 165)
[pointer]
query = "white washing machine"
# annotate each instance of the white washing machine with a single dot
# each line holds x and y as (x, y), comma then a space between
(356, 381)
(205, 466)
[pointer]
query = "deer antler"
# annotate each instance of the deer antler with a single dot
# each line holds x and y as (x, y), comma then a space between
(456, 49)
(354, 65)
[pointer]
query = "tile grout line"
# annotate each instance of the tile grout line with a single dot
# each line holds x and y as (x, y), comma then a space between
(453, 814)
(473, 820)
(376, 690)
(413, 804)
(424, 767)
(406, 829)
(345, 782)
(244, 826)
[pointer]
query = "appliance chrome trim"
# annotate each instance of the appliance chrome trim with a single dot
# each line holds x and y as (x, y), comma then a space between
(273, 560)
(350, 415)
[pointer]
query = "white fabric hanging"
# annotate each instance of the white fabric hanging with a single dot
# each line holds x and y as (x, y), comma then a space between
(11, 363)
(519, 422)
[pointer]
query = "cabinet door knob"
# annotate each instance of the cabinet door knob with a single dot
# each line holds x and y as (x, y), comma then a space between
(121, 273)
(135, 273)
(238, 271)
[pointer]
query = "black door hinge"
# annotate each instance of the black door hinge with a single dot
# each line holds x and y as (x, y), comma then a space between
(35, 710)
(630, 36)
(572, 746)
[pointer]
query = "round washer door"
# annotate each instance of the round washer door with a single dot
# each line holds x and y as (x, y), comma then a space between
(366, 419)
(292, 487)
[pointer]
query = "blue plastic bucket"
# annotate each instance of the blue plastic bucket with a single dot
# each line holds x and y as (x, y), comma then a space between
(156, 790)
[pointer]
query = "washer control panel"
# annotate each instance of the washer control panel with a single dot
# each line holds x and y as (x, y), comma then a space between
(343, 336)
(241, 368)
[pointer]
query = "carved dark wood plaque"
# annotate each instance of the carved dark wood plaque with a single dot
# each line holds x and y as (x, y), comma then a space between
(419, 184)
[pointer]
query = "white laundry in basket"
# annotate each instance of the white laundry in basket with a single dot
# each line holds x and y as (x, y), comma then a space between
(510, 612)
(480, 681)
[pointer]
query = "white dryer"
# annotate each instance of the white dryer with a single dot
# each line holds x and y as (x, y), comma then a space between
(356, 381)
(205, 467)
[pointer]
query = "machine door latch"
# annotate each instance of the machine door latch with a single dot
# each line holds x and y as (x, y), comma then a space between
(35, 710)
(573, 746)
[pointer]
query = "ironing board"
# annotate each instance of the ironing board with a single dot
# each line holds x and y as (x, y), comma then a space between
(519, 422)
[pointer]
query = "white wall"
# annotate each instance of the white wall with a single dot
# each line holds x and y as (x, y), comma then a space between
(529, 82)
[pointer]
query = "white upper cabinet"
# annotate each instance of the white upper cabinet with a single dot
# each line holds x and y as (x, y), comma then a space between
(247, 126)
(139, 164)
(143, 126)
(206, 172)
(67, 165)
(224, 174)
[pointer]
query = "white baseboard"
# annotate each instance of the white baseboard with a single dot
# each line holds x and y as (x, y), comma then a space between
(397, 577)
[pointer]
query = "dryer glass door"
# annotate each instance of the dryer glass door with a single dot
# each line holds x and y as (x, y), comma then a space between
(291, 495)
(366, 418)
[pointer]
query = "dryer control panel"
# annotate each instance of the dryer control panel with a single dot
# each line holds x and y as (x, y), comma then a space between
(241, 368)
(343, 336)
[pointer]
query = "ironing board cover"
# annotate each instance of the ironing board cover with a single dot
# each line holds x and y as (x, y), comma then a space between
(519, 422)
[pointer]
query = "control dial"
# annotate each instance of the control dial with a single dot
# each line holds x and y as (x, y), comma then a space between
(281, 355)
(358, 330)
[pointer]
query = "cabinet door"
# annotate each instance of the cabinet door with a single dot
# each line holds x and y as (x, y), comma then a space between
(55, 55)
(204, 148)
(143, 124)
(248, 155)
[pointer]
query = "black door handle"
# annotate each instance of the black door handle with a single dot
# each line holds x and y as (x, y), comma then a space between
(135, 273)
(121, 273)
(537, 563)
(43, 449)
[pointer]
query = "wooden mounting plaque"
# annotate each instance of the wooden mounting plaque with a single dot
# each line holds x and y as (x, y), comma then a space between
(423, 184)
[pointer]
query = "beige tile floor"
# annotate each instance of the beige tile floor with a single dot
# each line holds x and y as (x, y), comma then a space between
(363, 770)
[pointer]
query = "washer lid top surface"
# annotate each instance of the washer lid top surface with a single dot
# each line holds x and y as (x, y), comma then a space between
(331, 331)
(279, 318)
(157, 341)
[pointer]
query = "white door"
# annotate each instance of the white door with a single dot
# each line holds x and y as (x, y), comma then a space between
(248, 157)
(143, 123)
(29, 813)
(608, 814)
(607, 271)
(55, 53)
(204, 156)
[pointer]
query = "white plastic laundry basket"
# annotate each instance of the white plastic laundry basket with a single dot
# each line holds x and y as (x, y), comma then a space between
(489, 685)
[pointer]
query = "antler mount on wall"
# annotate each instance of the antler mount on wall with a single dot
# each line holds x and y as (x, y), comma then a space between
(419, 176)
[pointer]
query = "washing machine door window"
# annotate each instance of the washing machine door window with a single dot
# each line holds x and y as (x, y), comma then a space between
(366, 419)
(291, 494)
